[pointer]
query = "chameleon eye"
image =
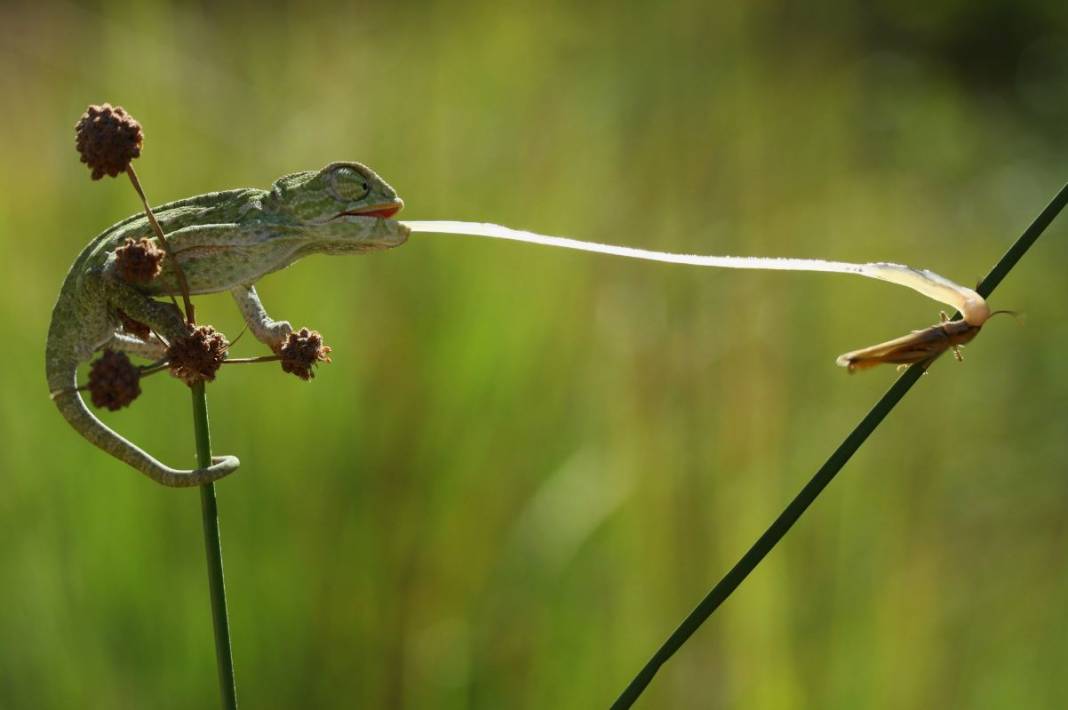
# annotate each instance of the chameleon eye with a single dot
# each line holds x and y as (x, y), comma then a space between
(347, 184)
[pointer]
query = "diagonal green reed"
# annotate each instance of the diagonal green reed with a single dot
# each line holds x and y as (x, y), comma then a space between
(826, 473)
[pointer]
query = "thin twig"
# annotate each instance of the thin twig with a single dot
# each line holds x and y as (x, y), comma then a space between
(183, 285)
(244, 329)
(824, 475)
(153, 369)
(247, 360)
(162, 365)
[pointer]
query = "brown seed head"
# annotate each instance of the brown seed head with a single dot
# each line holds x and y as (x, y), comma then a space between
(197, 357)
(114, 381)
(303, 350)
(139, 262)
(108, 138)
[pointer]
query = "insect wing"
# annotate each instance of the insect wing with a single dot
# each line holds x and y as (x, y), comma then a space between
(917, 346)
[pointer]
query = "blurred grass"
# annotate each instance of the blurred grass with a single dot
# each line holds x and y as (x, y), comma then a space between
(524, 466)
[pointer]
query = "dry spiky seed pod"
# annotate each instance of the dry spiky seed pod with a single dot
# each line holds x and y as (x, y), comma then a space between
(196, 357)
(301, 351)
(114, 382)
(108, 138)
(140, 261)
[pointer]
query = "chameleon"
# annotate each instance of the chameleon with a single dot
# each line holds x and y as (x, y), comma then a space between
(226, 241)
(223, 241)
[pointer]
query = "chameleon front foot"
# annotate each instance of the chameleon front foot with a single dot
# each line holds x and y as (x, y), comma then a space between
(275, 335)
(272, 333)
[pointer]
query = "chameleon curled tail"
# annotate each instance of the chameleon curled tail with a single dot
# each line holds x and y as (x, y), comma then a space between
(62, 375)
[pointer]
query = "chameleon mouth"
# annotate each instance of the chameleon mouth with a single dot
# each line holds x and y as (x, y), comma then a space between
(384, 211)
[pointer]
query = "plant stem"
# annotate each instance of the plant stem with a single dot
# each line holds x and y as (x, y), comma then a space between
(824, 475)
(183, 285)
(251, 360)
(213, 550)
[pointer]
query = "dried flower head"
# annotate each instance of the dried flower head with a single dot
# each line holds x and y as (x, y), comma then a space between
(108, 138)
(114, 381)
(139, 262)
(196, 357)
(301, 351)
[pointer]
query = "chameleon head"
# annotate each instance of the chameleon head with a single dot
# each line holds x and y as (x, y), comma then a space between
(347, 205)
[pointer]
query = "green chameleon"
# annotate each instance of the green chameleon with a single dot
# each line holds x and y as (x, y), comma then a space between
(224, 241)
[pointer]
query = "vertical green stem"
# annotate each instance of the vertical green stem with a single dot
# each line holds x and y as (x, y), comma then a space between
(213, 549)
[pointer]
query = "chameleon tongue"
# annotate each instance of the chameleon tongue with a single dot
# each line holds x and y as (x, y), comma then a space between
(971, 305)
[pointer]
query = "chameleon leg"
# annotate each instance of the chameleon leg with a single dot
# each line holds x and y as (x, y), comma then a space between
(151, 349)
(164, 318)
(956, 348)
(270, 332)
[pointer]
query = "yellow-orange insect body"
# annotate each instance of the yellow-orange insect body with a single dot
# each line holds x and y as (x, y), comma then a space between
(919, 346)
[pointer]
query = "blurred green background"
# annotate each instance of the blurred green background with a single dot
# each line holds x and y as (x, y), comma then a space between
(525, 465)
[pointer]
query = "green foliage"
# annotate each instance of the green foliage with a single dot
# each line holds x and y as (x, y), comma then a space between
(524, 466)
